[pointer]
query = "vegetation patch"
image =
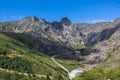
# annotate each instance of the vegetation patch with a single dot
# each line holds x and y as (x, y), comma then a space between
(101, 74)
(15, 63)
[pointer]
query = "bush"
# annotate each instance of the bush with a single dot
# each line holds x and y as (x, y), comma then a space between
(16, 63)
(2, 51)
(101, 74)
(15, 76)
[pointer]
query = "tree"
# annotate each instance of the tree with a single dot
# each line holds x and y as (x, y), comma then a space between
(48, 78)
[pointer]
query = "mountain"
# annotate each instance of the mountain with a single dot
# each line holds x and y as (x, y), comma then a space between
(90, 45)
(63, 31)
(20, 61)
(62, 37)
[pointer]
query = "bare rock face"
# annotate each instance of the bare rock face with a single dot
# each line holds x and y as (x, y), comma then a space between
(67, 33)
(63, 31)
(117, 21)
(108, 48)
(29, 24)
(94, 38)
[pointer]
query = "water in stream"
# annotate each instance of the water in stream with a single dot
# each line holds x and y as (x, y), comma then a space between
(76, 72)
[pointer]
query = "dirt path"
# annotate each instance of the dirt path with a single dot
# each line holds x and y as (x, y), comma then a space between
(20, 73)
(65, 69)
(74, 73)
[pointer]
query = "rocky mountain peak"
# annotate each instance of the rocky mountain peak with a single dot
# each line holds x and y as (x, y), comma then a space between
(117, 20)
(65, 21)
(42, 20)
(57, 25)
(31, 18)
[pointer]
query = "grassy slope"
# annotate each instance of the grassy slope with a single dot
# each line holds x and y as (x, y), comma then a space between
(69, 64)
(40, 64)
(101, 74)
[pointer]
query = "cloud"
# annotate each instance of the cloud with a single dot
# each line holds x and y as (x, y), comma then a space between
(16, 17)
(3, 18)
(98, 20)
(10, 18)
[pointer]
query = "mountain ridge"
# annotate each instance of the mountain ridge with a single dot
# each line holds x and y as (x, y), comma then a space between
(64, 31)
(63, 35)
(92, 45)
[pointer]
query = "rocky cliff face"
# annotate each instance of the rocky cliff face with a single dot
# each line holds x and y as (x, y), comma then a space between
(105, 34)
(65, 32)
(107, 45)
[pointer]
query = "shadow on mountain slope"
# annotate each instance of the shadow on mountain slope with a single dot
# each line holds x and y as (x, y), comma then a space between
(34, 40)
(93, 38)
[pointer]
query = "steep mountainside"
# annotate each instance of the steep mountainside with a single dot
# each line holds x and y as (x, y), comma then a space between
(92, 45)
(63, 31)
(21, 61)
(63, 35)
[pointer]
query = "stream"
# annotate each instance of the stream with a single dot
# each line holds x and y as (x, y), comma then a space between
(75, 72)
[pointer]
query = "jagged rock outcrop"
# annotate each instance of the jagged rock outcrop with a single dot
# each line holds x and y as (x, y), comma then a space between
(65, 21)
(30, 24)
(108, 48)
(94, 38)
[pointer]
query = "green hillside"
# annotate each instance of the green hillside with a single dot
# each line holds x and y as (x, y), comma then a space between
(15, 56)
(18, 59)
(100, 73)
